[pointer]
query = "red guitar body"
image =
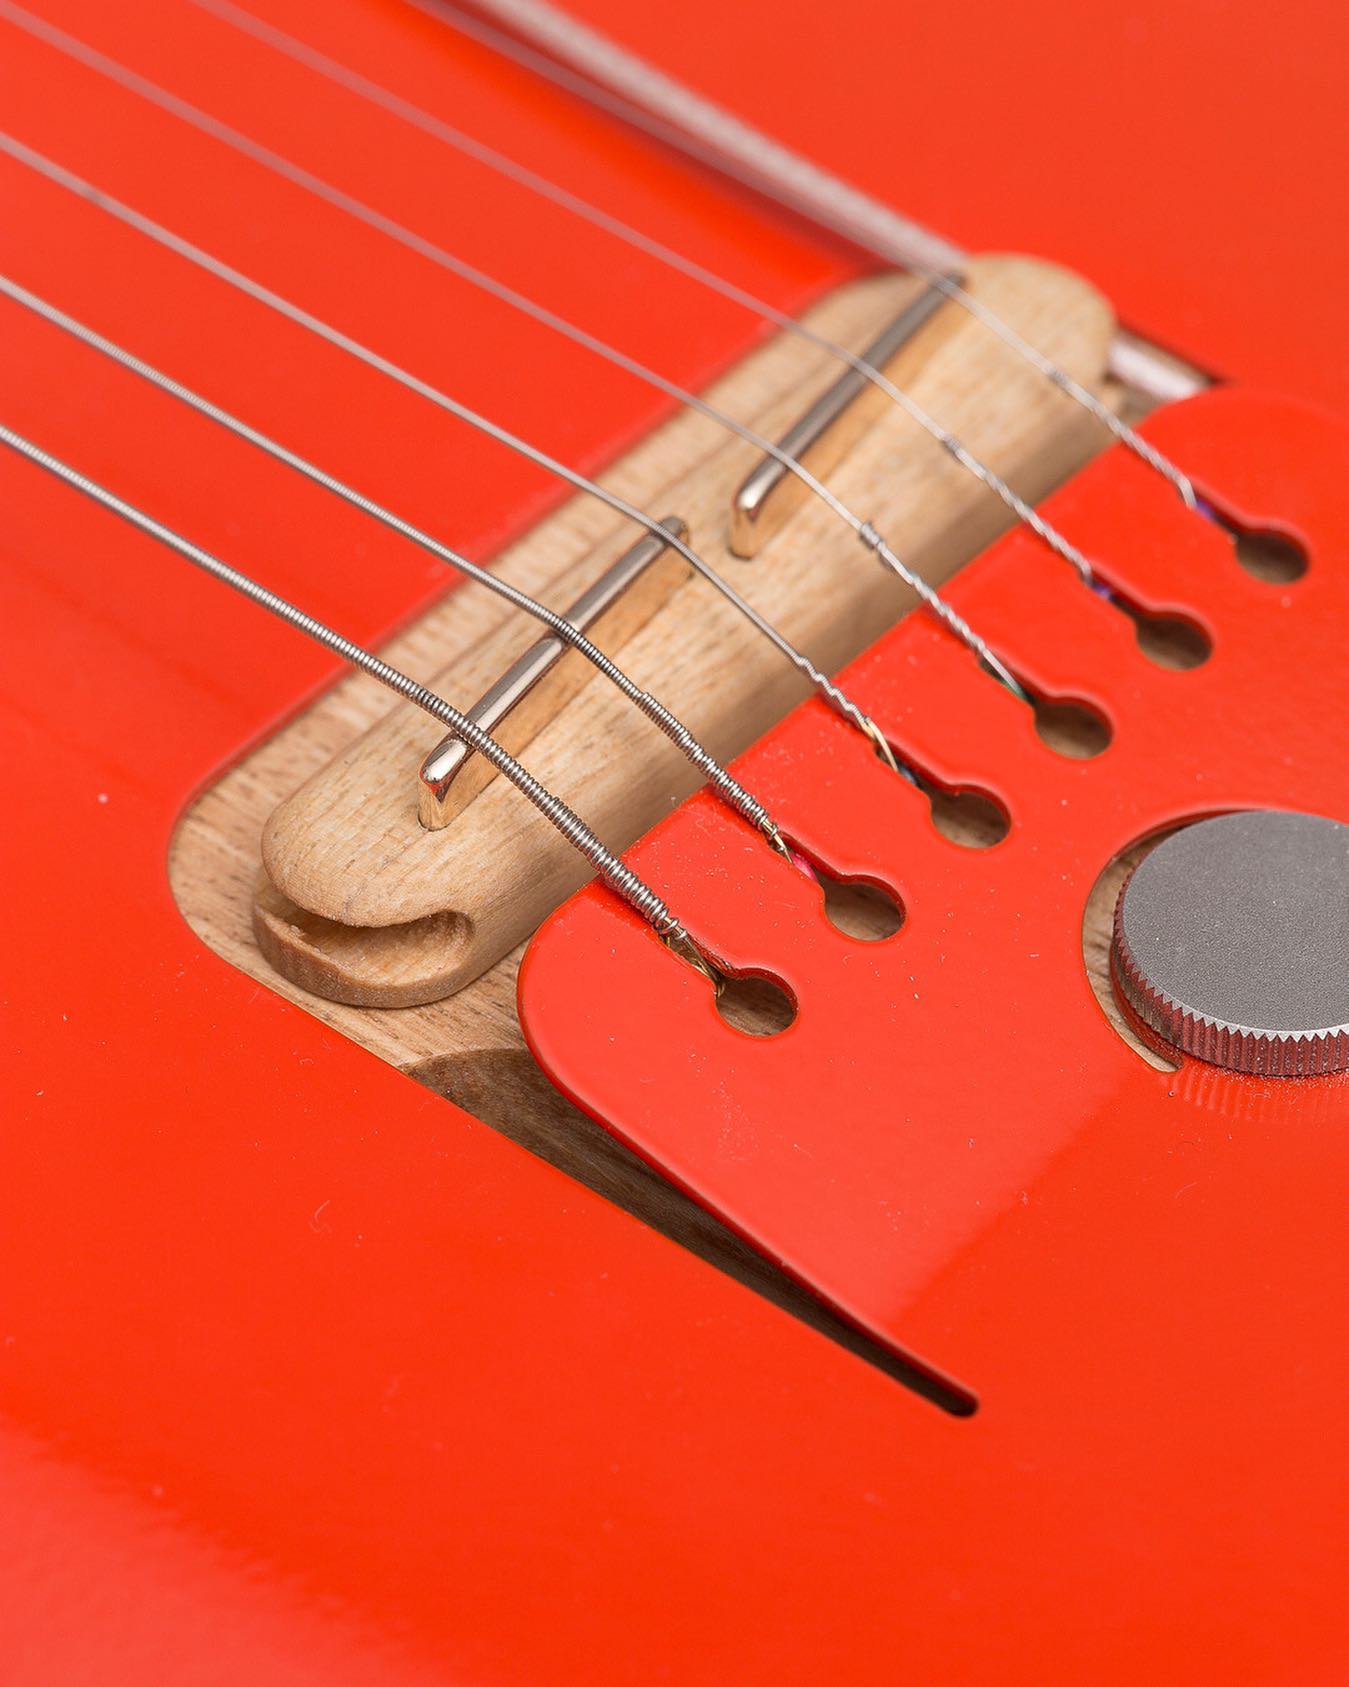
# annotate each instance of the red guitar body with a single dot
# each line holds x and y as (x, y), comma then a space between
(306, 1375)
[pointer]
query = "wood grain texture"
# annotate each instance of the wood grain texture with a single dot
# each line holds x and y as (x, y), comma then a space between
(469, 1047)
(527, 694)
(362, 904)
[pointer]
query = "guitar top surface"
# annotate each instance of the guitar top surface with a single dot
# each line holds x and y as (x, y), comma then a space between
(306, 1375)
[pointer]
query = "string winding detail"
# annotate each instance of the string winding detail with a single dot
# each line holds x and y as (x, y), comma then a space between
(54, 172)
(610, 868)
(722, 782)
(356, 208)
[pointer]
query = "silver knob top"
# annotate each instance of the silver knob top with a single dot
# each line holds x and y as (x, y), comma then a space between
(1232, 942)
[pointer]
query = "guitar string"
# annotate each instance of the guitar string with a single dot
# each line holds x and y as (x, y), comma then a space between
(866, 532)
(610, 868)
(325, 331)
(606, 76)
(511, 169)
(722, 782)
(612, 871)
(555, 193)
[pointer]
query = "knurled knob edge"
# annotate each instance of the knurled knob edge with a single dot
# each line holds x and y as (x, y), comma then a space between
(1239, 1048)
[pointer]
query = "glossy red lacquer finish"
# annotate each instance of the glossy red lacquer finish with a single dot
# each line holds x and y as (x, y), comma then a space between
(1190, 158)
(305, 1375)
(1137, 1272)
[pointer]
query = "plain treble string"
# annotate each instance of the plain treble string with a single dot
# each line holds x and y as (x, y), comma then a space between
(325, 331)
(605, 75)
(723, 783)
(611, 870)
(511, 169)
(866, 532)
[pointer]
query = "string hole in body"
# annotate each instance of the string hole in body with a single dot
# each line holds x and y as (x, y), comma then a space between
(757, 1005)
(968, 818)
(963, 814)
(1265, 554)
(1071, 729)
(1171, 641)
(1270, 557)
(858, 908)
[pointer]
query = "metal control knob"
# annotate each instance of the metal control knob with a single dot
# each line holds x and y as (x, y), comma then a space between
(1232, 942)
